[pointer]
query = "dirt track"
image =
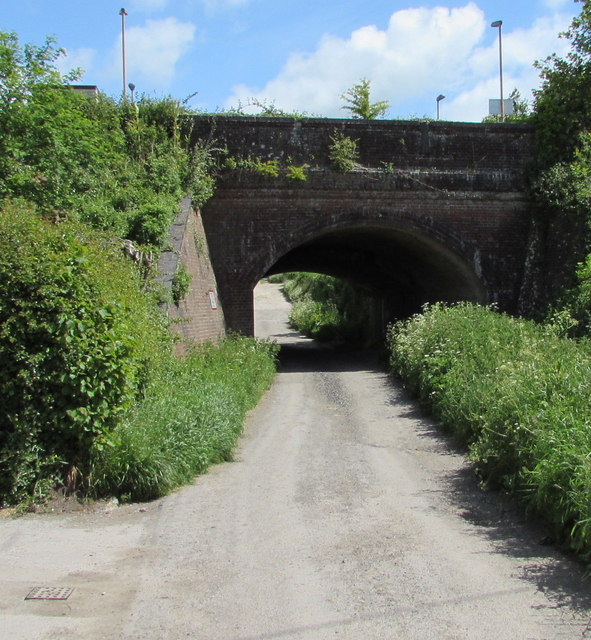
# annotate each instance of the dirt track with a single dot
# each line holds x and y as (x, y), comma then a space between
(345, 515)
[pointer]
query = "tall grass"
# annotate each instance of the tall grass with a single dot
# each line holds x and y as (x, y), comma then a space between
(190, 418)
(518, 396)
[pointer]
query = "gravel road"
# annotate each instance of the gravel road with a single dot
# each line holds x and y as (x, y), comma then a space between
(346, 514)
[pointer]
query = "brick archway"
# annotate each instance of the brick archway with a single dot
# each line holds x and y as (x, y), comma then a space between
(450, 222)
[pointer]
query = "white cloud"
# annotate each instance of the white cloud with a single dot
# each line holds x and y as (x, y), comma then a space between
(153, 51)
(421, 49)
(422, 53)
(557, 4)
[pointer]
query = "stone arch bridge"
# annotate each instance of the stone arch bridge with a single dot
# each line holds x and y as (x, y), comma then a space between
(432, 211)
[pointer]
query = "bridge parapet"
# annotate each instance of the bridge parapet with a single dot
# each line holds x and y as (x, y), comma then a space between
(397, 144)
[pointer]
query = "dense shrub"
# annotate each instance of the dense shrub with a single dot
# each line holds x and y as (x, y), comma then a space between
(518, 395)
(77, 341)
(92, 396)
(190, 418)
(117, 167)
(561, 179)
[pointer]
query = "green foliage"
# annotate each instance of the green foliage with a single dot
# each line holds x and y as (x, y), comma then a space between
(151, 220)
(561, 183)
(517, 395)
(563, 103)
(359, 103)
(296, 173)
(268, 168)
(180, 284)
(328, 309)
(77, 337)
(80, 332)
(263, 109)
(343, 152)
(521, 110)
(574, 308)
(191, 417)
(117, 167)
(200, 181)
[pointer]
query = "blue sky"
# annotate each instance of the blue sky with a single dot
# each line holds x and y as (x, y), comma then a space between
(303, 55)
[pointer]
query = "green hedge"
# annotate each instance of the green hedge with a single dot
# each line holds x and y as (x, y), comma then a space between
(78, 339)
(518, 395)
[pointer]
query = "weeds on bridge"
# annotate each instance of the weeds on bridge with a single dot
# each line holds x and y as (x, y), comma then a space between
(518, 396)
(343, 152)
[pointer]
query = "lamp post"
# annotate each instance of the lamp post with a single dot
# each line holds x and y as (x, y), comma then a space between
(439, 98)
(123, 13)
(499, 24)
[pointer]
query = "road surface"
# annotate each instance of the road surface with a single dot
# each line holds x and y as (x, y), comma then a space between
(346, 514)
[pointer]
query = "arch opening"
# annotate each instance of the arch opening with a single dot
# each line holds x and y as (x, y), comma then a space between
(400, 269)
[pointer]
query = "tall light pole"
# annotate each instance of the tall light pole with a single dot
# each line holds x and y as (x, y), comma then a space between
(123, 13)
(439, 98)
(499, 24)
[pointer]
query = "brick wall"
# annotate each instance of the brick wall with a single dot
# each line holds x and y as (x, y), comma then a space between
(194, 318)
(405, 144)
(450, 217)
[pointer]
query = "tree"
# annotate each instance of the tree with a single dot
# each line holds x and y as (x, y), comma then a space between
(561, 186)
(563, 103)
(359, 103)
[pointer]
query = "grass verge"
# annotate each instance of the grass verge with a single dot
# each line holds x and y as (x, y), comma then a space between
(518, 396)
(190, 418)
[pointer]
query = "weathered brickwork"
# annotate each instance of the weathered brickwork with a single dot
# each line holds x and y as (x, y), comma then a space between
(436, 211)
(195, 318)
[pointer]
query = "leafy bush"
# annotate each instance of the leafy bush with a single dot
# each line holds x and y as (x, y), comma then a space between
(343, 152)
(359, 103)
(518, 395)
(117, 167)
(77, 342)
(296, 173)
(149, 225)
(180, 284)
(190, 418)
(328, 309)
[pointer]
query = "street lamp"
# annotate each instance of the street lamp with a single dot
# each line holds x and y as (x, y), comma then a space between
(499, 24)
(439, 98)
(123, 13)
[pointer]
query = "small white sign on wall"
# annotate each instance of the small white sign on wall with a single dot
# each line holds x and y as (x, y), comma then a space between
(213, 302)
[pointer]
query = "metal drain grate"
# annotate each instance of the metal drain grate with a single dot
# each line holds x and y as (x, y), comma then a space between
(49, 593)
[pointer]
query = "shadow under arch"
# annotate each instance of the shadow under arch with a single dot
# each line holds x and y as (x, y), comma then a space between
(400, 265)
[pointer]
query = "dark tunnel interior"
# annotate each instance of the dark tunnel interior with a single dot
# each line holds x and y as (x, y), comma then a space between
(400, 269)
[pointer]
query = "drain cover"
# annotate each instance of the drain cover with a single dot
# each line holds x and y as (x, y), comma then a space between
(49, 593)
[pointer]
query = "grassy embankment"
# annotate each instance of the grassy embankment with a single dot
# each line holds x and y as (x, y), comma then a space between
(518, 396)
